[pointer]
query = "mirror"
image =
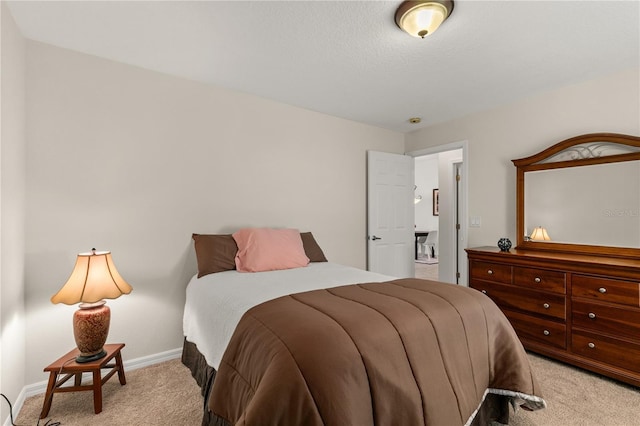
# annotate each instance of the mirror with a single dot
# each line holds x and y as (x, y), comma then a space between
(597, 204)
(585, 192)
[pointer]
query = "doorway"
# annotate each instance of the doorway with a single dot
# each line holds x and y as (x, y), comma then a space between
(442, 169)
(426, 205)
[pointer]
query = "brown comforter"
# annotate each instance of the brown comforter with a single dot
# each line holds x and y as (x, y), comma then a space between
(404, 352)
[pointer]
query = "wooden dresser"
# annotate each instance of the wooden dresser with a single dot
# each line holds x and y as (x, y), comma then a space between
(578, 308)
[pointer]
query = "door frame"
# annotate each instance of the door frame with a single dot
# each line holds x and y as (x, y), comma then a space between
(463, 207)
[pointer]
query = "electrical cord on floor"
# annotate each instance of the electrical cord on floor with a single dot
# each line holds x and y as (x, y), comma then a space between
(49, 422)
(10, 407)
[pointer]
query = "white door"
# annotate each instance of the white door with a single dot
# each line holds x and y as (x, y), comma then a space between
(390, 214)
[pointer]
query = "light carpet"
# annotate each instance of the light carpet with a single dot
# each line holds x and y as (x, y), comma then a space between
(578, 397)
(162, 394)
(166, 394)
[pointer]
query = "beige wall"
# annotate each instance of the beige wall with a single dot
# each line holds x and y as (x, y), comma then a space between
(134, 161)
(12, 211)
(495, 137)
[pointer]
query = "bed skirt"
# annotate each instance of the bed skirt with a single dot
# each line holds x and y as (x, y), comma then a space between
(204, 375)
(495, 408)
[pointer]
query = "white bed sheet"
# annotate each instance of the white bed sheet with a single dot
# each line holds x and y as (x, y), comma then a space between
(216, 302)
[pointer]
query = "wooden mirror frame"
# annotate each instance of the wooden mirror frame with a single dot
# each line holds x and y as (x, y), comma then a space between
(537, 162)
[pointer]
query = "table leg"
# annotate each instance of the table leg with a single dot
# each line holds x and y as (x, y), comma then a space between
(97, 391)
(48, 396)
(123, 380)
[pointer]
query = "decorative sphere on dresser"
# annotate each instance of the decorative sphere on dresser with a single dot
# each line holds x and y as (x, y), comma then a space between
(504, 244)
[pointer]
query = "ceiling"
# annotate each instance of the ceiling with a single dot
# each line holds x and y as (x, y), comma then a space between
(347, 58)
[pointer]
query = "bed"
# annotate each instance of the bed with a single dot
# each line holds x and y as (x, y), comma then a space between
(329, 344)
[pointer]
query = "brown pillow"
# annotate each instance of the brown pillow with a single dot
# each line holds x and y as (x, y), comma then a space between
(311, 248)
(215, 253)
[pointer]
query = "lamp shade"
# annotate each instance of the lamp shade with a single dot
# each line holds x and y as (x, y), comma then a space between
(422, 18)
(540, 234)
(94, 278)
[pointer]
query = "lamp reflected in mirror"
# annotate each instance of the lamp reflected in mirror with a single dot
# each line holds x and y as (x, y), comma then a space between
(539, 234)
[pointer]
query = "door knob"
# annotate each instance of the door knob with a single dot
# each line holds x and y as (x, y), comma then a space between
(375, 238)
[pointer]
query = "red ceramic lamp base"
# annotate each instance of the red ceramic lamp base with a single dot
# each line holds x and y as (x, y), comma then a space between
(91, 328)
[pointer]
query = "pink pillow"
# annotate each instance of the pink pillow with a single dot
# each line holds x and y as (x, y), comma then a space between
(263, 249)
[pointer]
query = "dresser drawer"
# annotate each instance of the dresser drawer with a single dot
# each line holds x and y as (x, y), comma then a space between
(537, 330)
(494, 272)
(606, 290)
(540, 279)
(616, 352)
(520, 299)
(608, 319)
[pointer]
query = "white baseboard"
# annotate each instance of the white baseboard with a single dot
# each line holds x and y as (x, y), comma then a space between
(148, 360)
(133, 364)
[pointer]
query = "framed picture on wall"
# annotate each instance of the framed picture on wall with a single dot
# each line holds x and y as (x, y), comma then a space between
(436, 203)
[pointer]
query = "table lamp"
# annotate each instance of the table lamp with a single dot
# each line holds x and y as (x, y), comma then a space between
(93, 279)
(540, 234)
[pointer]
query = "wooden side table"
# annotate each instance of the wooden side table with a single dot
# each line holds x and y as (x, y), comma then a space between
(66, 365)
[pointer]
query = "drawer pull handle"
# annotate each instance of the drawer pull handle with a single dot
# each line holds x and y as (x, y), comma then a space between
(602, 290)
(537, 279)
(546, 306)
(592, 315)
(490, 272)
(546, 332)
(592, 345)
(484, 291)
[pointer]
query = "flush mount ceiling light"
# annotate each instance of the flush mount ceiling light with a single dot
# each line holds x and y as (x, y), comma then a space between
(422, 18)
